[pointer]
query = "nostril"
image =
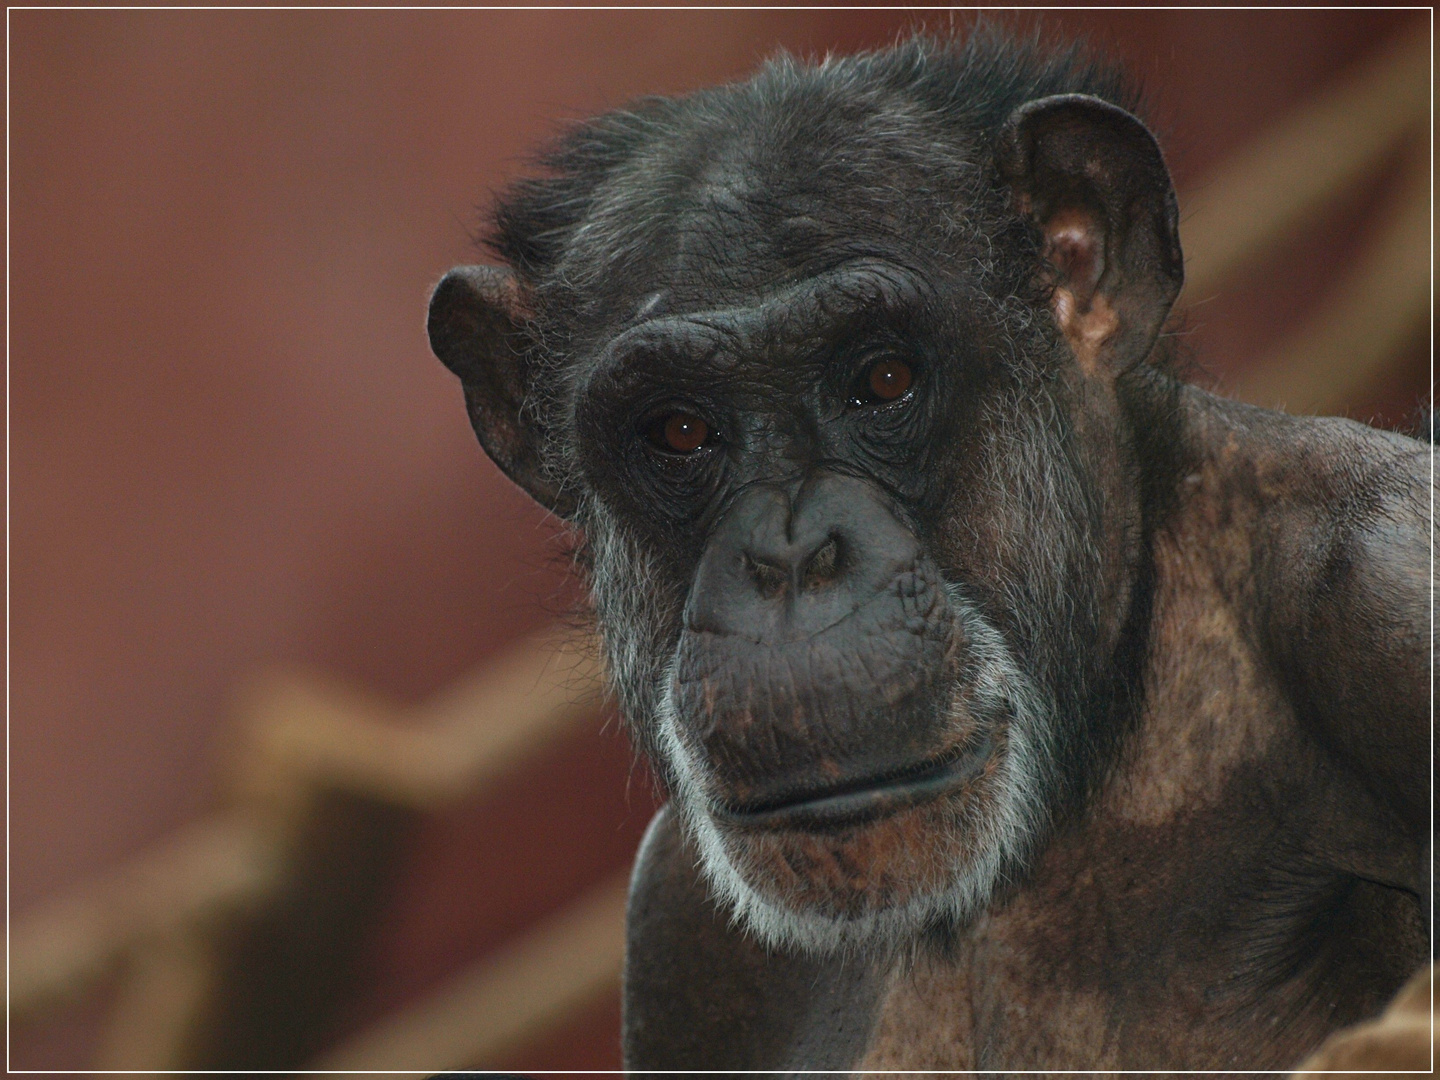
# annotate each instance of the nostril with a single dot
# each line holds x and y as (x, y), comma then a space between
(823, 567)
(769, 579)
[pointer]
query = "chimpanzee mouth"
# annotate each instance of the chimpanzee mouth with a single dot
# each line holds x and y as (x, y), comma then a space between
(860, 801)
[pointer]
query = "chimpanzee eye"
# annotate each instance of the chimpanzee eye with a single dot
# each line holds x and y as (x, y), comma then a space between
(679, 433)
(885, 380)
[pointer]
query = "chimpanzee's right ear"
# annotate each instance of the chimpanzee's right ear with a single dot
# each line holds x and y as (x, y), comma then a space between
(477, 329)
(1092, 178)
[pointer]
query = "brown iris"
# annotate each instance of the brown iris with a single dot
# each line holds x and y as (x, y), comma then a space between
(889, 379)
(681, 433)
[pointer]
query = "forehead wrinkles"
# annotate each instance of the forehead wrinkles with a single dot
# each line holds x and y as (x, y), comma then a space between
(787, 327)
(707, 206)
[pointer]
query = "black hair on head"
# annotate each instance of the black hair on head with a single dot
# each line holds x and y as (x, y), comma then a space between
(967, 86)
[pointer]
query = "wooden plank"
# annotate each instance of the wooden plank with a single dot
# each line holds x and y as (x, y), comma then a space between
(208, 868)
(517, 992)
(1366, 320)
(305, 725)
(162, 999)
(303, 738)
(1258, 196)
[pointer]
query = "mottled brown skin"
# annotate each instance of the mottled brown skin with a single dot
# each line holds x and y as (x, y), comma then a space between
(1250, 877)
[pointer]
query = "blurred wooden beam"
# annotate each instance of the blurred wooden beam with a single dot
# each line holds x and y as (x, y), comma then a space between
(1365, 320)
(342, 777)
(305, 725)
(207, 870)
(1261, 194)
(321, 770)
(527, 986)
(159, 1004)
(275, 979)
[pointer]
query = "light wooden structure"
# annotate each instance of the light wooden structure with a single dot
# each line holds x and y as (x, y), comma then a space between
(1402, 1040)
(197, 927)
(190, 928)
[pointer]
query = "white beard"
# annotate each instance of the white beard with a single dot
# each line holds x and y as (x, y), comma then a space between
(1001, 837)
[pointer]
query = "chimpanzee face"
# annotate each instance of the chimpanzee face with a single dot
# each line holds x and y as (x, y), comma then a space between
(836, 419)
(853, 741)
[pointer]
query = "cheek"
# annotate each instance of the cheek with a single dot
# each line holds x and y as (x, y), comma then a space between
(982, 525)
(637, 595)
(1017, 532)
(661, 510)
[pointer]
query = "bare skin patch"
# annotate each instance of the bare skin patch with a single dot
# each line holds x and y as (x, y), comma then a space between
(1074, 246)
(923, 1022)
(1116, 955)
(1216, 701)
(1087, 329)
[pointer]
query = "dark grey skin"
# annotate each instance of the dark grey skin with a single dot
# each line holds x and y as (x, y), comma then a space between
(1021, 707)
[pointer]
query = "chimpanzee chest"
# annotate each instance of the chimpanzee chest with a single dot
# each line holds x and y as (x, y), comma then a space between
(1118, 956)
(1007, 1007)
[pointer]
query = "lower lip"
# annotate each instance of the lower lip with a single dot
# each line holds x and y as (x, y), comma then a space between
(828, 812)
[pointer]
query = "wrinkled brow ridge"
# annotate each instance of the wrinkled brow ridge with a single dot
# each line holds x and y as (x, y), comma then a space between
(792, 322)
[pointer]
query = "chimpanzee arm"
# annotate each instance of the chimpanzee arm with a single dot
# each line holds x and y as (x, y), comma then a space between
(701, 994)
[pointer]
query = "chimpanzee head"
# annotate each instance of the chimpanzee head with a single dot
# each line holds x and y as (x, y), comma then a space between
(833, 372)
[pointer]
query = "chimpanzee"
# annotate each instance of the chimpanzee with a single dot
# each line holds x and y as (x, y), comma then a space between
(1019, 705)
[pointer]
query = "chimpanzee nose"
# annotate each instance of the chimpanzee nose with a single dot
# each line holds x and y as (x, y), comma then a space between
(778, 569)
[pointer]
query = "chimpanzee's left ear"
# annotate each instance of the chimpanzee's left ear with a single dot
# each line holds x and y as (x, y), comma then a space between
(477, 328)
(1091, 176)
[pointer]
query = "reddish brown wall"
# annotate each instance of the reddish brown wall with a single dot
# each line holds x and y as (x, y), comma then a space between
(230, 442)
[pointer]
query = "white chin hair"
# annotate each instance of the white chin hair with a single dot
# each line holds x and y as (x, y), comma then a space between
(1002, 842)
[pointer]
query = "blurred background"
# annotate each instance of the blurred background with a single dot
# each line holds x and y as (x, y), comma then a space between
(301, 772)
